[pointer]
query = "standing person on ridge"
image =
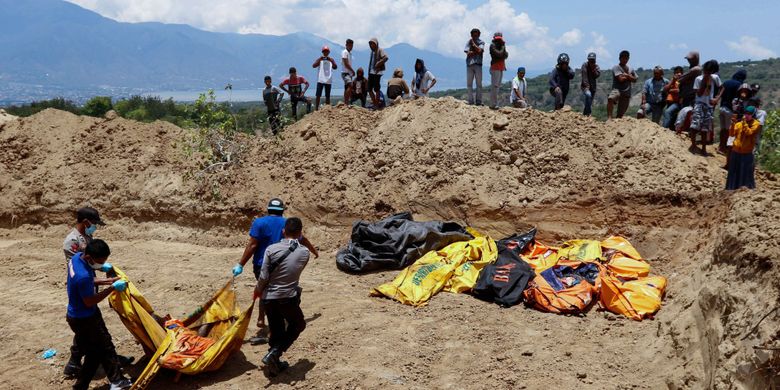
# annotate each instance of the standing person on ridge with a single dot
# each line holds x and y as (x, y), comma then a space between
(730, 90)
(687, 93)
(265, 230)
(376, 68)
(622, 78)
(278, 290)
(423, 80)
(560, 79)
(296, 91)
(474, 50)
(347, 73)
(741, 166)
(704, 104)
(325, 65)
(272, 96)
(590, 73)
(498, 56)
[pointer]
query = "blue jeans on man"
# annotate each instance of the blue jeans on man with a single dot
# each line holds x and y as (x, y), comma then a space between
(670, 115)
(587, 97)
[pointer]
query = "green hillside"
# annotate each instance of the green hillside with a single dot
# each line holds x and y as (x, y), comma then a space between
(765, 72)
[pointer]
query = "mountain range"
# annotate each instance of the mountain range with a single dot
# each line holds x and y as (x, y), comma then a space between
(56, 45)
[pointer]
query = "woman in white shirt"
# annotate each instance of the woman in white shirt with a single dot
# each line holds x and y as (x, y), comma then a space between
(423, 80)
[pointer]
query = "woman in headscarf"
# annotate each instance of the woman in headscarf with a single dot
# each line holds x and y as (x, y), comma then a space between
(423, 80)
(397, 86)
(741, 164)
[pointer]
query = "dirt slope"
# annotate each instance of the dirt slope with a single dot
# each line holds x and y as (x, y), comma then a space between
(498, 171)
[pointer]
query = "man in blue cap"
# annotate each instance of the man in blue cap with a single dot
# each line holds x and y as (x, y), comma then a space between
(265, 231)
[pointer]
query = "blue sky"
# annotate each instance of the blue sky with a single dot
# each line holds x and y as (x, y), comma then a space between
(659, 32)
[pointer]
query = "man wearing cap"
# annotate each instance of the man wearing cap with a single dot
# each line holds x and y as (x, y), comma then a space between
(265, 231)
(590, 74)
(87, 221)
(84, 317)
(326, 65)
(498, 56)
(519, 87)
(687, 93)
(653, 97)
(474, 50)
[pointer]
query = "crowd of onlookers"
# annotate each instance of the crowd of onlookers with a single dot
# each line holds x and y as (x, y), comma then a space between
(686, 103)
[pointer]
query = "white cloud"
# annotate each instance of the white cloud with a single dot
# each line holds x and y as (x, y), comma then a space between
(678, 46)
(570, 38)
(439, 25)
(599, 46)
(751, 47)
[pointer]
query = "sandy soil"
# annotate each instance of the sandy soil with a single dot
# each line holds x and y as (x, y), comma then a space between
(498, 171)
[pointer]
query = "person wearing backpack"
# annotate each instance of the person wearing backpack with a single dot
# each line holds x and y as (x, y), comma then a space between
(277, 287)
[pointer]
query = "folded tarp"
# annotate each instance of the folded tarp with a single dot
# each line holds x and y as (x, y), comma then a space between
(395, 242)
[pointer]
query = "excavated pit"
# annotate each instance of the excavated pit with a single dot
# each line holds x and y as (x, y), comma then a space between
(569, 176)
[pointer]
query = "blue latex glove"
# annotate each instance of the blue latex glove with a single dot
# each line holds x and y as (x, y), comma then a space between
(106, 267)
(119, 285)
(238, 269)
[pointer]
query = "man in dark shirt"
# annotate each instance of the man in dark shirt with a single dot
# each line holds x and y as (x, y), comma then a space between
(623, 76)
(277, 287)
(590, 74)
(559, 80)
(687, 93)
(272, 96)
(730, 91)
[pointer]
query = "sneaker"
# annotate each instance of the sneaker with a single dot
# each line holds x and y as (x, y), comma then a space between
(72, 369)
(121, 384)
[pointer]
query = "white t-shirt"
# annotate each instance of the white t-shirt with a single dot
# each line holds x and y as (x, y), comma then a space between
(681, 116)
(325, 74)
(425, 83)
(709, 94)
(519, 85)
(74, 242)
(346, 56)
(761, 117)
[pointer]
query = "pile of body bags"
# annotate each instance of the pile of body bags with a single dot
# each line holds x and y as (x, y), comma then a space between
(443, 256)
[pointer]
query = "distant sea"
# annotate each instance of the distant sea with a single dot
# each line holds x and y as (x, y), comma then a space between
(237, 95)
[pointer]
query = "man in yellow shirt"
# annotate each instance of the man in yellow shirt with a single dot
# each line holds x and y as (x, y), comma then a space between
(741, 162)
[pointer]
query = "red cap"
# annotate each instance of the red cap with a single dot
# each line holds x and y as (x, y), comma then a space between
(325, 48)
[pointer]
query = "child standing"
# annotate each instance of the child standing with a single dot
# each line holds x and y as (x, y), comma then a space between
(705, 87)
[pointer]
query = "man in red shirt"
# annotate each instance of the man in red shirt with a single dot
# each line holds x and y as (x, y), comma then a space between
(295, 87)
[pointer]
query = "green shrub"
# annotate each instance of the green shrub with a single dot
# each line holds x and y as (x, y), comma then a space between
(36, 107)
(98, 106)
(769, 153)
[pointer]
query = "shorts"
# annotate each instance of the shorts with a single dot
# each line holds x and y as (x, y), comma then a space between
(701, 120)
(347, 78)
(320, 87)
(374, 82)
(616, 96)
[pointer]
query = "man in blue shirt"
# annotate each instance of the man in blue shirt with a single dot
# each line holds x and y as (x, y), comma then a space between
(654, 95)
(265, 231)
(85, 319)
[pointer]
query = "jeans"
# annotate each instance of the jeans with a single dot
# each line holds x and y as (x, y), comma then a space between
(670, 115)
(587, 98)
(474, 73)
(285, 322)
(495, 84)
(95, 343)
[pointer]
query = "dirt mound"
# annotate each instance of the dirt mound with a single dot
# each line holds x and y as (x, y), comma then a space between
(496, 170)
(5, 117)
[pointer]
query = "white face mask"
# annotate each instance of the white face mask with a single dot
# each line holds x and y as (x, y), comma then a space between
(95, 266)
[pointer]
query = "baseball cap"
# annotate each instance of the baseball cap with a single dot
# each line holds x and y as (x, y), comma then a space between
(89, 214)
(276, 204)
(750, 110)
(498, 36)
(591, 56)
(325, 48)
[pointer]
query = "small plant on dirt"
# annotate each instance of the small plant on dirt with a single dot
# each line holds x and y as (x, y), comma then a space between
(212, 143)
